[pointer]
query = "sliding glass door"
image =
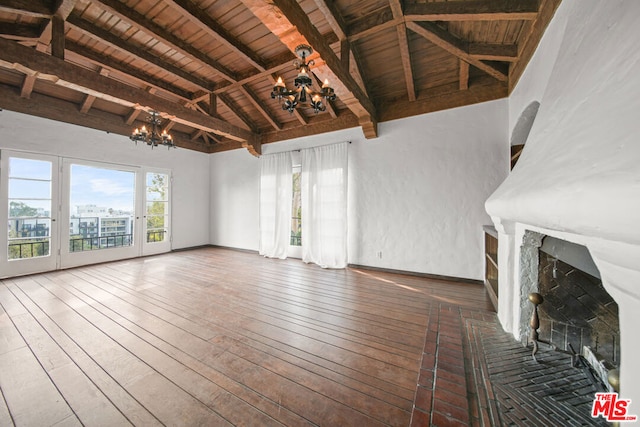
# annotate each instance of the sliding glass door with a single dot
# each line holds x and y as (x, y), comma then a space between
(28, 207)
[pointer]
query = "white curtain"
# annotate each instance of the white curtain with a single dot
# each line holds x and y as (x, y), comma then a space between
(324, 205)
(275, 204)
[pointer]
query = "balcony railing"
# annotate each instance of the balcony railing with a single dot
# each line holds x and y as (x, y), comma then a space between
(27, 250)
(94, 243)
(155, 236)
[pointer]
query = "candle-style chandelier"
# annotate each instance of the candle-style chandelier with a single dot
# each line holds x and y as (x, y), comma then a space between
(291, 98)
(153, 136)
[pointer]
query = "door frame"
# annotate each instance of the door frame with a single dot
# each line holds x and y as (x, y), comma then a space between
(17, 267)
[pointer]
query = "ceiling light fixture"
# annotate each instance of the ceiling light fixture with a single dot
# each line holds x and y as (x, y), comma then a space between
(291, 98)
(153, 137)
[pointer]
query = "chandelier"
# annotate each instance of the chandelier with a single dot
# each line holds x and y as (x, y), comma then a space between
(152, 137)
(291, 98)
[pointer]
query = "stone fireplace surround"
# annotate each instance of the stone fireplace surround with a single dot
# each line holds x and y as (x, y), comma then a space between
(578, 178)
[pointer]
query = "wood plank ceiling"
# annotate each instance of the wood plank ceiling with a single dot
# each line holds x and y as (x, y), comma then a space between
(208, 66)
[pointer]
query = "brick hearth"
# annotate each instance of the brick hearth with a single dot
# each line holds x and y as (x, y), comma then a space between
(473, 373)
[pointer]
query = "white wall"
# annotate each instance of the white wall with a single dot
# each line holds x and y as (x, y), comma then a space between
(235, 199)
(191, 185)
(416, 192)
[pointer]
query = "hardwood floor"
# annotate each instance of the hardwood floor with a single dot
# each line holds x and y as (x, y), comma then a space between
(216, 337)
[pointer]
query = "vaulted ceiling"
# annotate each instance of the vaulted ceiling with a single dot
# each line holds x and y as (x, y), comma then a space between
(208, 66)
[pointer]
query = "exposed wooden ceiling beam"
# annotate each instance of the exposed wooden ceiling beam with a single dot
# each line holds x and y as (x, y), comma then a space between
(494, 52)
(464, 74)
(262, 109)
(108, 62)
(64, 111)
(238, 112)
(453, 45)
(288, 21)
(486, 89)
(57, 37)
(20, 30)
(27, 85)
(405, 55)
(117, 43)
(373, 23)
(34, 8)
(140, 21)
(321, 125)
(87, 103)
(27, 60)
(206, 23)
(348, 53)
(482, 10)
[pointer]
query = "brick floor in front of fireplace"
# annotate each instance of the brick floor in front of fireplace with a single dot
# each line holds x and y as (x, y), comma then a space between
(475, 374)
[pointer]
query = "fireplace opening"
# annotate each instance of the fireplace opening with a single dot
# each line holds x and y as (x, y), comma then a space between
(578, 314)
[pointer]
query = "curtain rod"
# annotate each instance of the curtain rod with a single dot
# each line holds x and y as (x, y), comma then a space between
(300, 149)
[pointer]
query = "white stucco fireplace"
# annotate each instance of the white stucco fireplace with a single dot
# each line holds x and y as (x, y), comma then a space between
(578, 178)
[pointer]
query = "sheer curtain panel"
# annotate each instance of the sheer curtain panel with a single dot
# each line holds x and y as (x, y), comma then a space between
(324, 205)
(275, 204)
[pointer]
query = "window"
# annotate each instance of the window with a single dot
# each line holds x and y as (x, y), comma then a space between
(101, 207)
(296, 209)
(157, 206)
(29, 208)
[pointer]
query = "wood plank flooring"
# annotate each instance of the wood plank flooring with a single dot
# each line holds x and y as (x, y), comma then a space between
(216, 337)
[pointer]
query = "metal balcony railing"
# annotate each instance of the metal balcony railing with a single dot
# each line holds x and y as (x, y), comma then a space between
(27, 250)
(93, 243)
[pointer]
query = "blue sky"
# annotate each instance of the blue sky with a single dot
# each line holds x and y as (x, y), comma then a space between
(102, 187)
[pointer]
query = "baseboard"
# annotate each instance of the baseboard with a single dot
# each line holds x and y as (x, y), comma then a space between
(249, 251)
(424, 275)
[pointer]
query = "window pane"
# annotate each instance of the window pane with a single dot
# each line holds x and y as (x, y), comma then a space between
(29, 223)
(102, 206)
(156, 222)
(157, 208)
(30, 169)
(296, 210)
(26, 208)
(37, 189)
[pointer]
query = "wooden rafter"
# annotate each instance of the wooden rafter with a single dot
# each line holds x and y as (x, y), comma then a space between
(494, 52)
(288, 21)
(203, 21)
(477, 10)
(464, 74)
(116, 42)
(20, 31)
(238, 112)
(34, 8)
(27, 85)
(67, 112)
(87, 103)
(29, 61)
(262, 109)
(141, 77)
(140, 21)
(405, 55)
(348, 52)
(453, 45)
